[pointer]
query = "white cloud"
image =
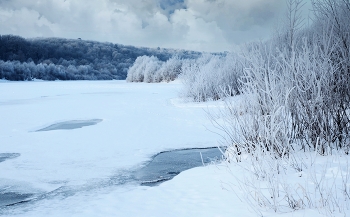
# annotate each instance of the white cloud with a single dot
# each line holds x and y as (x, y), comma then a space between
(206, 25)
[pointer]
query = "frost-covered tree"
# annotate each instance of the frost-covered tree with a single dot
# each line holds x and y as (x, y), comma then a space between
(143, 69)
(169, 70)
(151, 69)
(105, 60)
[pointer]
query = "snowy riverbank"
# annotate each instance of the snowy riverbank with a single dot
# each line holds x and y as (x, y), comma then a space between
(81, 167)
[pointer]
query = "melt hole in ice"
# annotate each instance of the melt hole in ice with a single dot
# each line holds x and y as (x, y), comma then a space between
(166, 165)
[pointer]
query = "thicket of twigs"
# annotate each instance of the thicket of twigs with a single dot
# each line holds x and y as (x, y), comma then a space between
(296, 109)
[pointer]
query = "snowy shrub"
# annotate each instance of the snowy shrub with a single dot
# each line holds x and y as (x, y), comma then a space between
(296, 98)
(169, 70)
(150, 69)
(299, 90)
(279, 185)
(134, 74)
(144, 69)
(211, 77)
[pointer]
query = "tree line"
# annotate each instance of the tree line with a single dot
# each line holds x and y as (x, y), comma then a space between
(72, 59)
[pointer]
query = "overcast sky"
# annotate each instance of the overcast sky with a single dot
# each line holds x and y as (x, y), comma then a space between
(203, 25)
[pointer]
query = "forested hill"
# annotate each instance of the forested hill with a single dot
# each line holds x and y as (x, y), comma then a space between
(72, 59)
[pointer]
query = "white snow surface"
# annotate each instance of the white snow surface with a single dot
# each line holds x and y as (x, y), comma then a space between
(138, 121)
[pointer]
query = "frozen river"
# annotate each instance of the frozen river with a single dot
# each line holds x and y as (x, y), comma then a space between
(61, 138)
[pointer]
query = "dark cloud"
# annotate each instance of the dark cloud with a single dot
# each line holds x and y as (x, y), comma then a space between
(170, 6)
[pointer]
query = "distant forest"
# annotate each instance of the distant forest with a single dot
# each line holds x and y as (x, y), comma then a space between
(72, 59)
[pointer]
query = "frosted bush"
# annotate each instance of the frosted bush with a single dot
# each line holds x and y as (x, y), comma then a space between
(150, 69)
(169, 71)
(296, 100)
(211, 77)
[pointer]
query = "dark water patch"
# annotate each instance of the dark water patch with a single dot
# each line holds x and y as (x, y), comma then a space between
(13, 198)
(7, 156)
(166, 165)
(70, 125)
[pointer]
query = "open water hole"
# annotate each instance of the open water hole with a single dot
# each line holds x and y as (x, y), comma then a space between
(166, 165)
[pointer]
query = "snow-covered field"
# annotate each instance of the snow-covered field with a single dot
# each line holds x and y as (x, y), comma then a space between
(81, 167)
